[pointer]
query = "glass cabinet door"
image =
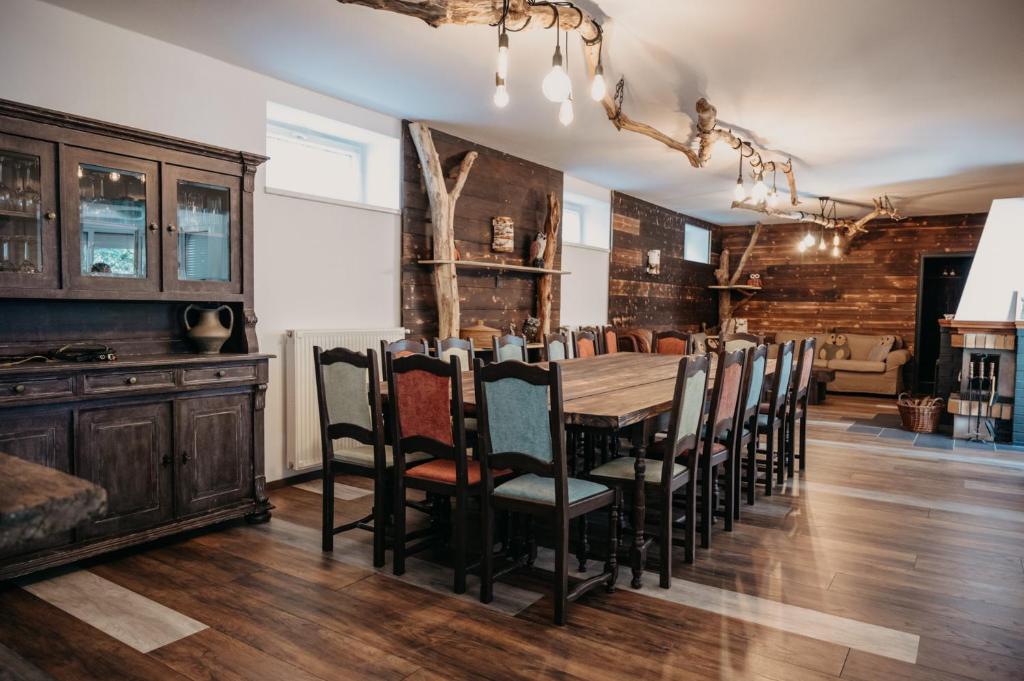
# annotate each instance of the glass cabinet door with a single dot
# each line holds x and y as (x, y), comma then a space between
(28, 217)
(113, 242)
(202, 247)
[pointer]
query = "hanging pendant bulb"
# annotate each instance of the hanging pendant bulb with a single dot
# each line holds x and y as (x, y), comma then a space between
(802, 246)
(835, 239)
(821, 243)
(740, 193)
(565, 112)
(835, 251)
(773, 198)
(500, 92)
(808, 239)
(598, 88)
(760, 191)
(503, 55)
(556, 85)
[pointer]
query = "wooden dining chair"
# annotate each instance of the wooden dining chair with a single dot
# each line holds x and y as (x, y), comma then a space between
(509, 347)
(425, 395)
(750, 402)
(522, 429)
(735, 341)
(349, 402)
(676, 470)
(609, 340)
(671, 342)
(556, 347)
(585, 344)
(720, 442)
(771, 416)
(797, 410)
(445, 348)
(403, 348)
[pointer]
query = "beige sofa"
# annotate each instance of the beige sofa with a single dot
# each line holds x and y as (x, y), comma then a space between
(857, 374)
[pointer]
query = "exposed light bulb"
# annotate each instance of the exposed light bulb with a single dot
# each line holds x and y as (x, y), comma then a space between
(501, 95)
(503, 55)
(835, 251)
(759, 192)
(835, 239)
(821, 244)
(114, 176)
(802, 246)
(556, 85)
(565, 112)
(740, 193)
(808, 240)
(598, 89)
(773, 198)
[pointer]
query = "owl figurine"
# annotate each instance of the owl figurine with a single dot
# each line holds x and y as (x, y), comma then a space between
(540, 242)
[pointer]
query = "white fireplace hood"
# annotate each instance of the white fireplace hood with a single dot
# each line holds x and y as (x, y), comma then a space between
(995, 284)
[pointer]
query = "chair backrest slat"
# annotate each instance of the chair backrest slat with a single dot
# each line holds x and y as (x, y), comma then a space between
(737, 341)
(403, 348)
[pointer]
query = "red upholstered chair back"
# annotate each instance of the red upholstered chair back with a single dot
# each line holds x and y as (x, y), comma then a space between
(585, 343)
(672, 343)
(611, 340)
(726, 395)
(804, 366)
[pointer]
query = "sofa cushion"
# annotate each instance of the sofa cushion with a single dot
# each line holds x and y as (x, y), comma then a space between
(860, 344)
(881, 349)
(858, 365)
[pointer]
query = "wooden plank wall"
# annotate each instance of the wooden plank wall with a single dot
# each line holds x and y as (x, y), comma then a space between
(676, 298)
(872, 289)
(499, 184)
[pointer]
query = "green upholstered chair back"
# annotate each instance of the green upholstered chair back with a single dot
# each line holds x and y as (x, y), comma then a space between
(688, 402)
(348, 397)
(556, 347)
(807, 352)
(509, 347)
(755, 388)
(457, 347)
(783, 373)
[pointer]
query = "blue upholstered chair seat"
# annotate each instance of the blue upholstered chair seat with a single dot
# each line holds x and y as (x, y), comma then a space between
(541, 490)
(762, 420)
(622, 468)
(362, 455)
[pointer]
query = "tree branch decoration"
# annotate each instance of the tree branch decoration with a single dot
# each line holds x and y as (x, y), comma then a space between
(442, 218)
(546, 284)
(518, 15)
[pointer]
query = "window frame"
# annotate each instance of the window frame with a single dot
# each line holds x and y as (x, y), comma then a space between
(287, 132)
(580, 209)
(707, 257)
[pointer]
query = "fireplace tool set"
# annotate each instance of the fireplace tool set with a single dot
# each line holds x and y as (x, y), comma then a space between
(982, 373)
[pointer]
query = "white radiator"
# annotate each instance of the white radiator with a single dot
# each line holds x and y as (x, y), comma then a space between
(302, 415)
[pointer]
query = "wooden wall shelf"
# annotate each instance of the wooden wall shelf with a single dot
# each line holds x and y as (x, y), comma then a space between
(483, 265)
(737, 287)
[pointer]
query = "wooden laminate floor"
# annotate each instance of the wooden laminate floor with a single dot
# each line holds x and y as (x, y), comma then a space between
(892, 557)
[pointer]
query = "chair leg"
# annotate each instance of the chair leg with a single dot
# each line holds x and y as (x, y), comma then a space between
(611, 566)
(398, 549)
(707, 483)
(487, 559)
(751, 468)
(691, 520)
(460, 541)
(792, 439)
(730, 491)
(327, 523)
(781, 454)
(380, 520)
(803, 441)
(583, 547)
(561, 570)
(665, 541)
(769, 457)
(531, 540)
(737, 476)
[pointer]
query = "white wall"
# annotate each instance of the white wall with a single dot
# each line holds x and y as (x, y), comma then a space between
(996, 279)
(585, 291)
(318, 265)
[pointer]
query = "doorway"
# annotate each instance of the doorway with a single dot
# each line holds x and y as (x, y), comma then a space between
(940, 285)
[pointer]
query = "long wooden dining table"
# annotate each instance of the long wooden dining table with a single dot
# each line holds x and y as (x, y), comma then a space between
(615, 393)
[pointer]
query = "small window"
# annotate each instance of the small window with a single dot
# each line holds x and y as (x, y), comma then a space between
(697, 244)
(321, 159)
(572, 224)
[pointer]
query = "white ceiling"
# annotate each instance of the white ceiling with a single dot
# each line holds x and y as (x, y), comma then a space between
(923, 99)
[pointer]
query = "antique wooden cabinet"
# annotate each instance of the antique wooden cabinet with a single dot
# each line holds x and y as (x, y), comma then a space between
(107, 235)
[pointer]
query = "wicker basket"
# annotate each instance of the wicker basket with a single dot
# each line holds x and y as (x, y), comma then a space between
(920, 415)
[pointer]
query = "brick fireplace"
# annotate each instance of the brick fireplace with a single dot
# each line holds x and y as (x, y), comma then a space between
(982, 365)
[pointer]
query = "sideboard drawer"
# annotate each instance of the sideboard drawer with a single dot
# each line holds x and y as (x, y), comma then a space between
(208, 375)
(108, 382)
(12, 391)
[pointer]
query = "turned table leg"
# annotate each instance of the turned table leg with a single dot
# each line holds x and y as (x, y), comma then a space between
(639, 504)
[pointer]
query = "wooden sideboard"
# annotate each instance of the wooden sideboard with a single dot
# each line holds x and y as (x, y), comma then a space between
(107, 235)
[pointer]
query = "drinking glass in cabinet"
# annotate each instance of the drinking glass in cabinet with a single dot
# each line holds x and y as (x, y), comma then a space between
(204, 232)
(113, 221)
(20, 219)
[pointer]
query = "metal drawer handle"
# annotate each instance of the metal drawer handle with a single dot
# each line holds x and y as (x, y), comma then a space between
(221, 373)
(132, 380)
(19, 389)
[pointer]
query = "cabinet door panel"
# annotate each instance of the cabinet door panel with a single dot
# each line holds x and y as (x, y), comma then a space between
(203, 253)
(214, 435)
(28, 214)
(42, 438)
(127, 451)
(111, 232)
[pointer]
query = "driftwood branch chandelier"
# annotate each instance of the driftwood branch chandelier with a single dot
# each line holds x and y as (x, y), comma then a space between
(512, 16)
